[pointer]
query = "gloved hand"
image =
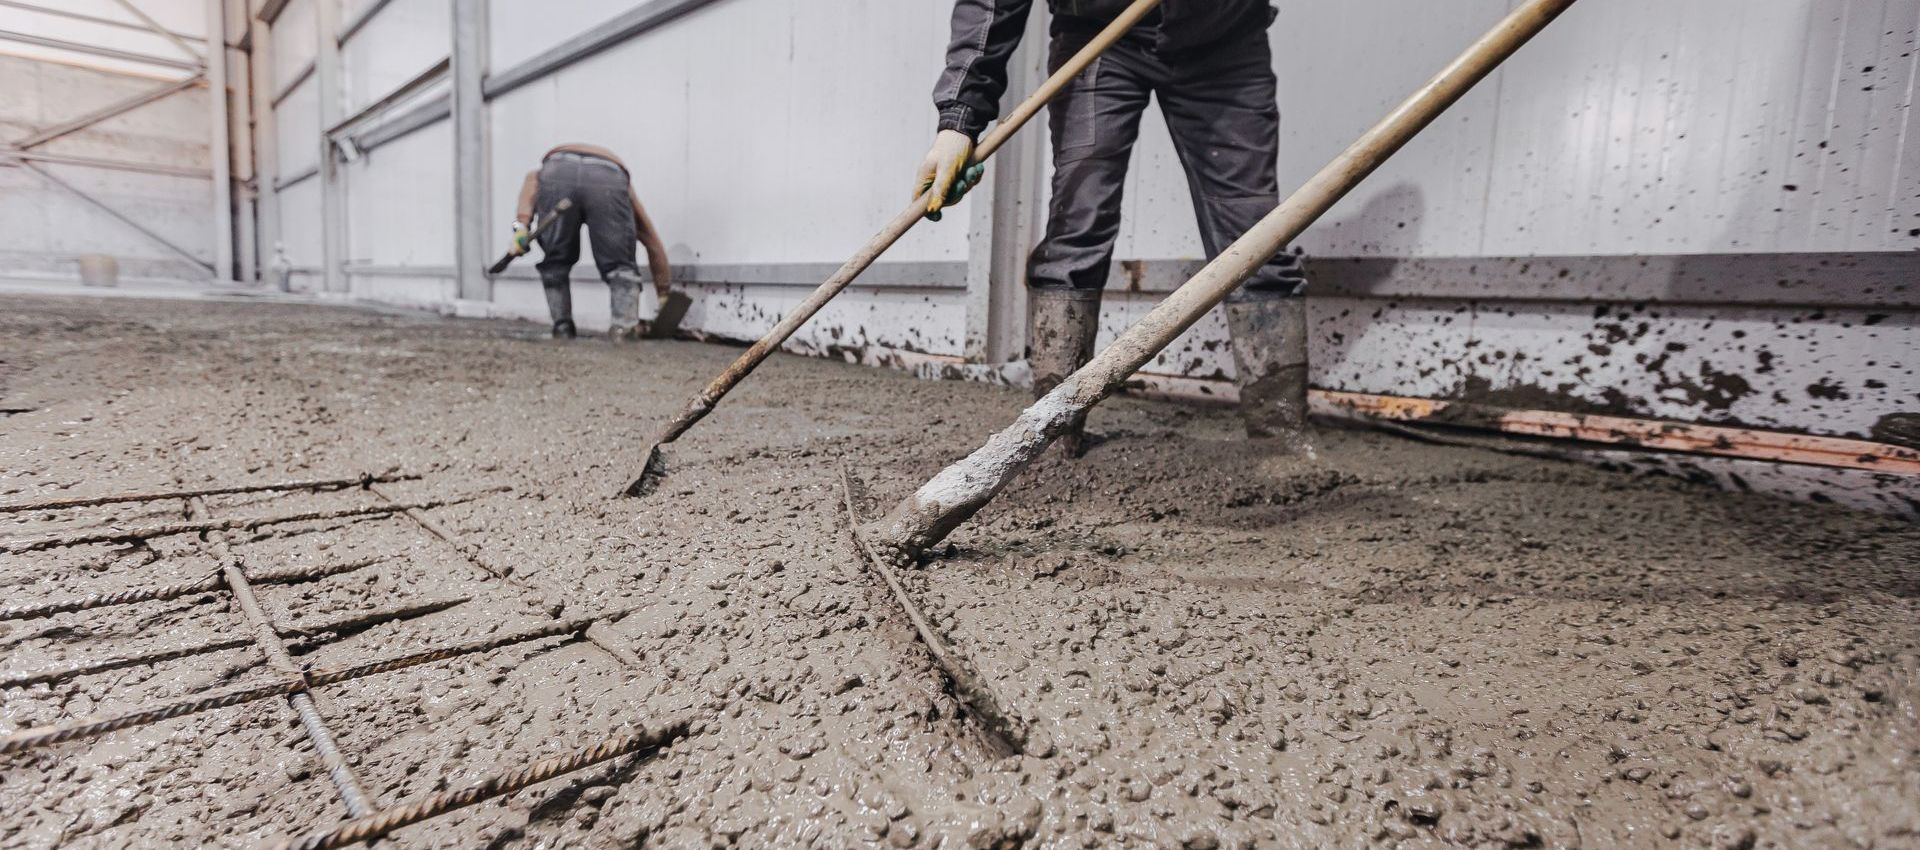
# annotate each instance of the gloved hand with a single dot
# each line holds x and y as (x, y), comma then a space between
(522, 238)
(945, 171)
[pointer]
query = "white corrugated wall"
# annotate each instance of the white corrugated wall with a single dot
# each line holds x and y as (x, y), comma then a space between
(1704, 211)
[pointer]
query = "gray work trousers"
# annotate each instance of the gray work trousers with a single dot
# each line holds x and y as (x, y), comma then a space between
(599, 191)
(1219, 104)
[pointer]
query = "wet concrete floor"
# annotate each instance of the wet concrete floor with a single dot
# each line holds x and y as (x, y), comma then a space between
(1215, 646)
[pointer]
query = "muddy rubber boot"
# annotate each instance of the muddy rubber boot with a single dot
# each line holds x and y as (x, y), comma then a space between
(1270, 361)
(560, 307)
(624, 294)
(1061, 326)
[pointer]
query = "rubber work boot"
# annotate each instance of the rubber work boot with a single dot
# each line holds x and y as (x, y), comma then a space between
(1270, 361)
(624, 294)
(560, 307)
(1061, 326)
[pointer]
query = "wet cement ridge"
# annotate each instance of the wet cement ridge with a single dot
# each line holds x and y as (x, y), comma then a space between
(1002, 731)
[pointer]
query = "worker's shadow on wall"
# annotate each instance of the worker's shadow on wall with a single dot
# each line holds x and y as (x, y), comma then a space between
(1357, 253)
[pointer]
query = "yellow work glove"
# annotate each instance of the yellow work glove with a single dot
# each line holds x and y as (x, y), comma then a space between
(945, 175)
(522, 238)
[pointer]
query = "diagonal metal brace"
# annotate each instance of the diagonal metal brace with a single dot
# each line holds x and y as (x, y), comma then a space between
(119, 107)
(165, 33)
(43, 174)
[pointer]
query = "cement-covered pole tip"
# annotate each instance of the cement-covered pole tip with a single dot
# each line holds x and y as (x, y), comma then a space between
(651, 471)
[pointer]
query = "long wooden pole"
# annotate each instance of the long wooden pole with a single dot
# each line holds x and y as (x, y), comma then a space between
(704, 403)
(953, 496)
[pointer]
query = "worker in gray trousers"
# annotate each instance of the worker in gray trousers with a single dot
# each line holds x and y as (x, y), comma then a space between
(1210, 64)
(603, 199)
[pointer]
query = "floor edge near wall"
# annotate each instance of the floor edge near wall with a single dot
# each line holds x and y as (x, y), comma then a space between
(1859, 474)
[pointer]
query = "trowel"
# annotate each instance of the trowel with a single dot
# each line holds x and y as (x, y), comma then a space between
(538, 225)
(673, 311)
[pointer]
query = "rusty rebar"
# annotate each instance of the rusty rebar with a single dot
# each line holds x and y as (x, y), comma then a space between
(166, 529)
(159, 495)
(212, 583)
(328, 676)
(63, 672)
(352, 794)
(287, 684)
(386, 821)
(48, 735)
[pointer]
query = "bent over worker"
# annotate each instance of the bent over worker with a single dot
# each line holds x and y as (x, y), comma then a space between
(1210, 64)
(603, 199)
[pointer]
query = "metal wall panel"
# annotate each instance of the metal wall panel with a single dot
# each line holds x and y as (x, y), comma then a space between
(400, 202)
(1695, 139)
(300, 224)
(521, 30)
(855, 325)
(1632, 126)
(403, 39)
(294, 42)
(297, 127)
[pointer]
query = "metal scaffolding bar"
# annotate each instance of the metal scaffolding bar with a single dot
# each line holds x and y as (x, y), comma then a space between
(155, 27)
(96, 50)
(361, 16)
(107, 164)
(120, 107)
(602, 37)
(333, 188)
(433, 74)
(92, 19)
